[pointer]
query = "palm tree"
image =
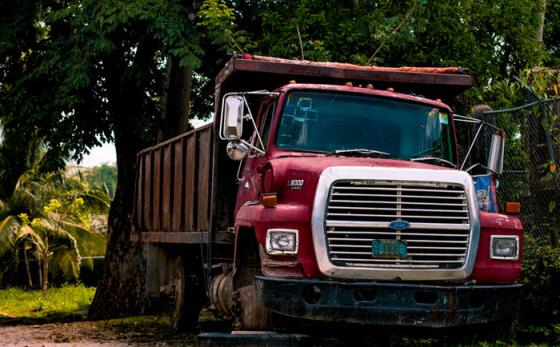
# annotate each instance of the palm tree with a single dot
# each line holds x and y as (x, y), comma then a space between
(49, 214)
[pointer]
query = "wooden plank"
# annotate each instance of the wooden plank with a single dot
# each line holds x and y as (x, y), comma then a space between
(147, 199)
(167, 186)
(190, 183)
(175, 139)
(156, 183)
(178, 185)
(204, 162)
(171, 237)
(139, 193)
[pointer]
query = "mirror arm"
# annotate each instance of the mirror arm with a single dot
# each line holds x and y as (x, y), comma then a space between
(475, 165)
(255, 127)
(238, 177)
(255, 148)
(465, 119)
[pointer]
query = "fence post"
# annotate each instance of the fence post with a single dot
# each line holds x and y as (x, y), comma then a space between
(548, 134)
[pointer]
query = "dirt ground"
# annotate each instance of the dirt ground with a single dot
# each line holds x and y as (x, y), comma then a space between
(61, 334)
(89, 334)
(156, 331)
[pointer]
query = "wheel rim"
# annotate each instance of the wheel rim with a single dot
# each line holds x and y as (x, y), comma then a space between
(177, 301)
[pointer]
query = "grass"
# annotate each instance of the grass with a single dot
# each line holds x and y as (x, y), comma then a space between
(59, 303)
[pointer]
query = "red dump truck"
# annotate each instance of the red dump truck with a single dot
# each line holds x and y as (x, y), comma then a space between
(327, 192)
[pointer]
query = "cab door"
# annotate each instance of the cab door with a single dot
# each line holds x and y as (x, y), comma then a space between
(250, 177)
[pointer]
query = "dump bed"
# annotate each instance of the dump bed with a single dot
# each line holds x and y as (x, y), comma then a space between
(172, 199)
(186, 186)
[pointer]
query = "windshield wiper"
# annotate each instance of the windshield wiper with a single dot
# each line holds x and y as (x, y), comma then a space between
(435, 160)
(437, 147)
(362, 152)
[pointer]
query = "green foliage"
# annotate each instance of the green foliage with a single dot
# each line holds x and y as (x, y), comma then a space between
(488, 38)
(47, 216)
(552, 32)
(102, 176)
(541, 277)
(218, 19)
(92, 57)
(59, 303)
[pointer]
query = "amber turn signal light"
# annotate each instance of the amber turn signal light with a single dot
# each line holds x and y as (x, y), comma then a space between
(513, 207)
(269, 200)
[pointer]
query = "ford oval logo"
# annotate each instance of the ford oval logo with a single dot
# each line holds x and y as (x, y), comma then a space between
(399, 225)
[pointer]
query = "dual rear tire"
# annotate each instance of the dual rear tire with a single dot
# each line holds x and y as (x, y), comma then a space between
(189, 297)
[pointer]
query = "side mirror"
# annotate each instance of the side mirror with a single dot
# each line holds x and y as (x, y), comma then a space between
(496, 154)
(236, 150)
(232, 117)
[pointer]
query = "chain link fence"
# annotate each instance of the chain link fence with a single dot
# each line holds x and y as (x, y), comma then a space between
(530, 174)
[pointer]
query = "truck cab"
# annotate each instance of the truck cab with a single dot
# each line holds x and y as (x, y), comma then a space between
(360, 211)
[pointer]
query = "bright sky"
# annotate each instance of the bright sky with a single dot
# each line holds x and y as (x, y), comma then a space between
(100, 155)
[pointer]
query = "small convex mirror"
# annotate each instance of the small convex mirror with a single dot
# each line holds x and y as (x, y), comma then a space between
(236, 150)
(496, 153)
(233, 117)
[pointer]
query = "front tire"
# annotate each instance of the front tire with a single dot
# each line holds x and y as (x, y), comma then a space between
(252, 314)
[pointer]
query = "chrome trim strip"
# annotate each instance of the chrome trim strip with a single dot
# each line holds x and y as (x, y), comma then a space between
(333, 223)
(319, 222)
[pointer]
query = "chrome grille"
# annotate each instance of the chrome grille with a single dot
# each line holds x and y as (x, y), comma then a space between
(359, 211)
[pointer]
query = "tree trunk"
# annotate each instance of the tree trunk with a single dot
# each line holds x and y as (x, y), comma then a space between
(39, 269)
(27, 267)
(119, 291)
(175, 99)
(540, 29)
(45, 285)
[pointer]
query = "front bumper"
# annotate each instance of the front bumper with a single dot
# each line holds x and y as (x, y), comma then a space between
(389, 303)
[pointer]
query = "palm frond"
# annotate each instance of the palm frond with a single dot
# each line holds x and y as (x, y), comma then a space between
(90, 242)
(9, 227)
(25, 231)
(66, 255)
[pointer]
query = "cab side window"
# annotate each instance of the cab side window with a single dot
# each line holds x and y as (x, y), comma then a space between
(266, 124)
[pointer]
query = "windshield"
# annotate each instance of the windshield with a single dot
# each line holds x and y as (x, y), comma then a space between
(318, 121)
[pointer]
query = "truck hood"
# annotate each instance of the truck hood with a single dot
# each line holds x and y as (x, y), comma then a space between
(317, 163)
(283, 170)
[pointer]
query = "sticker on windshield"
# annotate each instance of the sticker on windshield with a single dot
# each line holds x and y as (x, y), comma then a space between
(443, 118)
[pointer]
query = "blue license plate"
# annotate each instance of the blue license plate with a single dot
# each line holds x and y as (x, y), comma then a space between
(383, 248)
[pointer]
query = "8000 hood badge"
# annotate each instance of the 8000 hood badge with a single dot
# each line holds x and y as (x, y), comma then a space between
(295, 184)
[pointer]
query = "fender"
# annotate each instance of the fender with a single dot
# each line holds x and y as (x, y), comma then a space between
(487, 270)
(260, 219)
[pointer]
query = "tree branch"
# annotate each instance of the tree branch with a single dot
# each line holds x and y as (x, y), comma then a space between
(412, 8)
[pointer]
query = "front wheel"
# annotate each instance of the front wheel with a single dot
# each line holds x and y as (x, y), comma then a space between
(252, 314)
